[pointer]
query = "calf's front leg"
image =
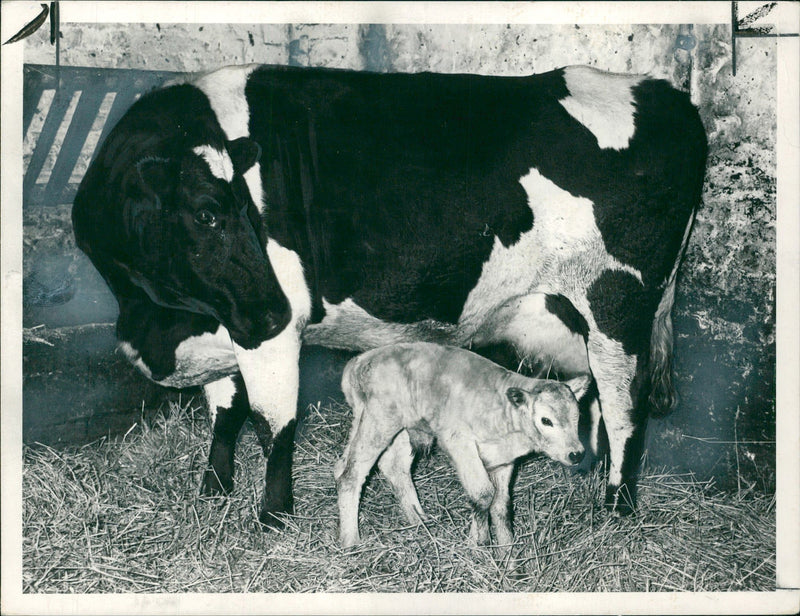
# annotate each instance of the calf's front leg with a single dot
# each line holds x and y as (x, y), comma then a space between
(499, 510)
(473, 476)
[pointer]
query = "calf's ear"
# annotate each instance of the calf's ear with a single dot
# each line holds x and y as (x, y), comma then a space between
(244, 153)
(517, 396)
(579, 385)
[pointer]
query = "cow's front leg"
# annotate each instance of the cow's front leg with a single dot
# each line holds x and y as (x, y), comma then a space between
(229, 407)
(271, 375)
(615, 373)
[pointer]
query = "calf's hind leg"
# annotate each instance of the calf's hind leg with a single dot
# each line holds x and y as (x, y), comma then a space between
(395, 464)
(368, 439)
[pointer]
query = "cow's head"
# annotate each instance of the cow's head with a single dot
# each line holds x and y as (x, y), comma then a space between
(165, 210)
(201, 241)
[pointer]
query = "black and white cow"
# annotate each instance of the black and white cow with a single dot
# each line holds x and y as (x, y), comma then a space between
(537, 218)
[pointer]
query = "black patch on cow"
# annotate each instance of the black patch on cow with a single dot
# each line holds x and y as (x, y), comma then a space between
(392, 187)
(563, 309)
(623, 309)
(155, 332)
(218, 478)
(278, 450)
(644, 194)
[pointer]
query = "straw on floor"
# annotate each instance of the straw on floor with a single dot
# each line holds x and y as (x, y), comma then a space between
(125, 515)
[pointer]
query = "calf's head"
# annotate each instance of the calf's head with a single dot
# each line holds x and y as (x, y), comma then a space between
(164, 210)
(549, 416)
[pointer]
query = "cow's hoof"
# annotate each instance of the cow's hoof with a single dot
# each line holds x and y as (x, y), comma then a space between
(270, 520)
(271, 514)
(619, 500)
(213, 485)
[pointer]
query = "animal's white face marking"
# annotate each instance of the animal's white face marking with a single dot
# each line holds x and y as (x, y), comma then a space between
(132, 355)
(219, 162)
(225, 91)
(603, 103)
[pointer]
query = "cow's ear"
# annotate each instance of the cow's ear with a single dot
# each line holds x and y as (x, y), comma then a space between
(579, 385)
(156, 175)
(518, 397)
(244, 153)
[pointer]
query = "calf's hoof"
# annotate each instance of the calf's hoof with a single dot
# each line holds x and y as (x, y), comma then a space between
(213, 485)
(349, 541)
(620, 500)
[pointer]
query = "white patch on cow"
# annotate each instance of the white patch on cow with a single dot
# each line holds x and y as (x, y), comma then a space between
(563, 253)
(271, 375)
(225, 91)
(219, 162)
(530, 327)
(219, 394)
(271, 371)
(198, 360)
(289, 272)
(603, 103)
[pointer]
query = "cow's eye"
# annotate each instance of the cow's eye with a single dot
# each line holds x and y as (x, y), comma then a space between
(206, 218)
(546, 421)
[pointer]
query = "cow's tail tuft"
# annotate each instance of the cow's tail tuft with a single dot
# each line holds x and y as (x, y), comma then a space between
(663, 398)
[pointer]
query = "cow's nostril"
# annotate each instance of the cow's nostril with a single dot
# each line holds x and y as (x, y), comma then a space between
(576, 456)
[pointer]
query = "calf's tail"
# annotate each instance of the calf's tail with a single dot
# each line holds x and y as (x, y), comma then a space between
(663, 398)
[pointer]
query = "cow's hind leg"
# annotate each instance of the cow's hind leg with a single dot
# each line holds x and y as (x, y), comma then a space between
(618, 382)
(229, 408)
(395, 464)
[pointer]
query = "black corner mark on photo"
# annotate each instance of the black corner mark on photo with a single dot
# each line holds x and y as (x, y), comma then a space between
(746, 27)
(32, 26)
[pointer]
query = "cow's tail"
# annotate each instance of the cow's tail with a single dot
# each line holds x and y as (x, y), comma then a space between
(663, 397)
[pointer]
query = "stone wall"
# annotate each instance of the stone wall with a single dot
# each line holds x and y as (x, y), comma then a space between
(725, 315)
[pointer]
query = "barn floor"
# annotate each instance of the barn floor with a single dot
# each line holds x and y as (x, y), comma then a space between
(124, 515)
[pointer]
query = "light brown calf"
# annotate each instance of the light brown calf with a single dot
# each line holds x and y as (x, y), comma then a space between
(483, 416)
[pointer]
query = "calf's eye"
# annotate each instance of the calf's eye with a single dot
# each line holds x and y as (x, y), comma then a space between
(206, 218)
(546, 421)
